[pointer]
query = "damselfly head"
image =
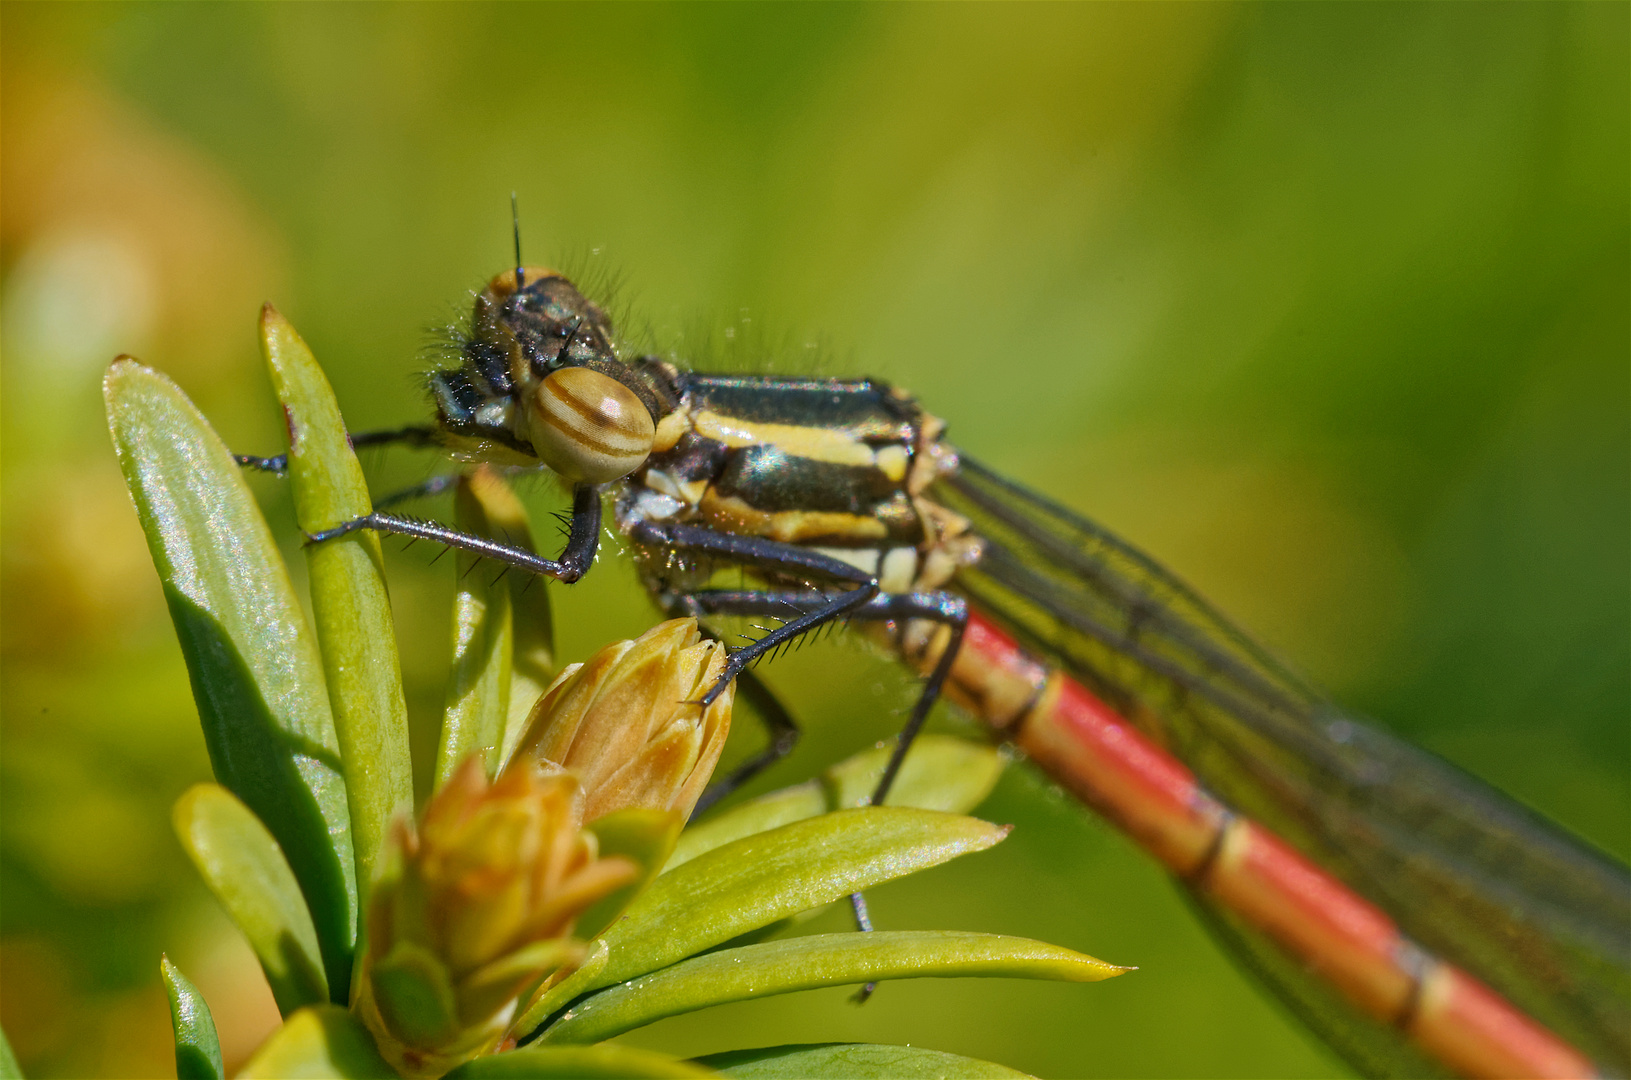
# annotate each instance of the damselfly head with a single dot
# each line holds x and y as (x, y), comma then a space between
(522, 331)
(539, 378)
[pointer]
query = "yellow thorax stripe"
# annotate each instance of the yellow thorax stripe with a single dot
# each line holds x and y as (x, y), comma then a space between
(814, 443)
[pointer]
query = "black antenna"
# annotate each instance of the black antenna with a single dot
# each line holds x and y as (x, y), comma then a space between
(515, 220)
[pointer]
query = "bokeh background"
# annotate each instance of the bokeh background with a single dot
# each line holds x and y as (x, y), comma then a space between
(1324, 306)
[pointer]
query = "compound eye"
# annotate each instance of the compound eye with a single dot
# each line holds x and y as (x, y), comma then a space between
(588, 426)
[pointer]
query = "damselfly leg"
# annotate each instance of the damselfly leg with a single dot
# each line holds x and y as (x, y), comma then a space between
(411, 435)
(583, 538)
(948, 609)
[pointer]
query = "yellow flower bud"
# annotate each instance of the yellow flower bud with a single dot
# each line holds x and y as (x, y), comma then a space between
(628, 725)
(473, 908)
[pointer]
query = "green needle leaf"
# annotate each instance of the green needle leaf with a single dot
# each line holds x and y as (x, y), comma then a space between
(854, 1061)
(255, 671)
(762, 878)
(243, 866)
(585, 1062)
(942, 772)
(807, 800)
(780, 967)
(533, 653)
(478, 688)
(198, 1051)
(759, 879)
(643, 835)
(9, 1069)
(322, 1042)
(353, 613)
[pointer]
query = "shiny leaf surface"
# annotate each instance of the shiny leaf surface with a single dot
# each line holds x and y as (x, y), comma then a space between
(478, 687)
(758, 879)
(805, 963)
(854, 1061)
(586, 1062)
(198, 1050)
(941, 772)
(323, 1042)
(353, 613)
(244, 867)
(255, 671)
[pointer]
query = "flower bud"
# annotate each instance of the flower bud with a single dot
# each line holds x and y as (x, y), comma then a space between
(473, 908)
(628, 723)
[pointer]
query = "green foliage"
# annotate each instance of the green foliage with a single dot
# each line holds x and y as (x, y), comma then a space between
(244, 867)
(320, 1042)
(941, 773)
(805, 963)
(9, 1069)
(198, 1051)
(647, 837)
(755, 880)
(853, 1061)
(578, 1063)
(479, 687)
(255, 669)
(349, 602)
(656, 942)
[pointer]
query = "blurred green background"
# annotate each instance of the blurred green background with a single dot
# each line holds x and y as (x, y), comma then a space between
(1324, 306)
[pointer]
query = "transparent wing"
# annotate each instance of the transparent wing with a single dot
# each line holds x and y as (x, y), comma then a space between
(1463, 869)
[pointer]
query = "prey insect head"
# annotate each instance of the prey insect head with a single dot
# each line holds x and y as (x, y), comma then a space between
(539, 378)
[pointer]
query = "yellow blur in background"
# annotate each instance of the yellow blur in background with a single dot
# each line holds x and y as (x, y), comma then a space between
(1325, 307)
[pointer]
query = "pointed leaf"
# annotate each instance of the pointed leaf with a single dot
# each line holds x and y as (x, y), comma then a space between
(854, 1061)
(9, 1069)
(551, 996)
(647, 837)
(478, 687)
(533, 652)
(322, 1042)
(942, 772)
(198, 1051)
(245, 869)
(804, 963)
(353, 613)
(939, 772)
(807, 800)
(759, 879)
(256, 676)
(585, 1062)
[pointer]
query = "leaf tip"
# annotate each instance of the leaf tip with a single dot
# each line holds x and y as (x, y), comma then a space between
(989, 834)
(124, 366)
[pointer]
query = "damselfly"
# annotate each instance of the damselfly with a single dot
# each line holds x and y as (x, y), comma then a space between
(1390, 898)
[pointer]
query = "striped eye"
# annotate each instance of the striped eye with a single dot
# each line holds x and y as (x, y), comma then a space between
(588, 426)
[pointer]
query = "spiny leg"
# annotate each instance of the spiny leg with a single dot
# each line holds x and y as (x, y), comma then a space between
(579, 554)
(816, 607)
(941, 607)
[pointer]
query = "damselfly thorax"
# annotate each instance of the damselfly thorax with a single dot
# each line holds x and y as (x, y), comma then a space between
(841, 466)
(839, 469)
